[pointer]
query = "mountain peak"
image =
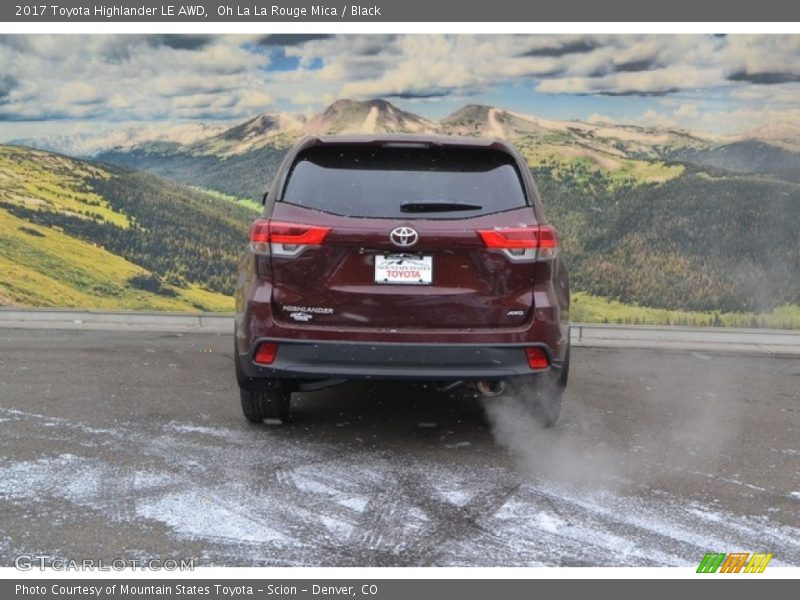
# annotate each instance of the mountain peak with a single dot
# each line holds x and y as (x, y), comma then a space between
(258, 125)
(485, 120)
(367, 116)
(470, 112)
(345, 103)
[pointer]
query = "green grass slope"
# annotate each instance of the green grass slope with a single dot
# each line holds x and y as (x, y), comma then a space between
(41, 266)
(75, 233)
(587, 308)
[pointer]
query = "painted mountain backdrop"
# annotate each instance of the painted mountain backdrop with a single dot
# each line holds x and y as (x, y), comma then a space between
(660, 224)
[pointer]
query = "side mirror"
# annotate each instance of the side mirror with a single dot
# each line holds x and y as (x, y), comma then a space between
(264, 199)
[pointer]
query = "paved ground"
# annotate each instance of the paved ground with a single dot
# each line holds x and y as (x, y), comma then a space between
(135, 448)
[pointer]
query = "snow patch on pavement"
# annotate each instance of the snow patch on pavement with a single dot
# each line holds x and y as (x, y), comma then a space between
(549, 521)
(301, 502)
(200, 429)
(196, 515)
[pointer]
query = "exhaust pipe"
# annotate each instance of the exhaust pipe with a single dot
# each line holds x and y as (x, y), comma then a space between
(490, 389)
(447, 386)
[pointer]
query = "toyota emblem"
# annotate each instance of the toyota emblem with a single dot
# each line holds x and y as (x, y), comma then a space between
(404, 237)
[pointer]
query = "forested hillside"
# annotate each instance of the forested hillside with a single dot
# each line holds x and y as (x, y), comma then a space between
(244, 175)
(700, 241)
(79, 234)
(750, 156)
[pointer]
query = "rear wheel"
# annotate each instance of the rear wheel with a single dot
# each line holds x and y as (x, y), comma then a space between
(261, 404)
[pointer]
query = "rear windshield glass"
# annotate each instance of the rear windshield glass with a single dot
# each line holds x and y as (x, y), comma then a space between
(375, 181)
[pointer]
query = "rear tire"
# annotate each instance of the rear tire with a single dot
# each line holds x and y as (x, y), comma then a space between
(261, 404)
(562, 380)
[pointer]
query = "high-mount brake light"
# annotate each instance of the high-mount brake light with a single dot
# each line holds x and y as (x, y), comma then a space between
(406, 145)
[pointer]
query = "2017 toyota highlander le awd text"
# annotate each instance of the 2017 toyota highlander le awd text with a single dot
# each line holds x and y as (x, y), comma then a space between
(404, 258)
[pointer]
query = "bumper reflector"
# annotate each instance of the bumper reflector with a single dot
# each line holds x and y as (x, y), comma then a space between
(537, 358)
(265, 355)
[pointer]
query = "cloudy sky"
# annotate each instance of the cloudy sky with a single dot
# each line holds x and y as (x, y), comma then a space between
(69, 83)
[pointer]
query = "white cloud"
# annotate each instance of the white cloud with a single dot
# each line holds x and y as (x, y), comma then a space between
(656, 81)
(79, 92)
(787, 94)
(763, 54)
(129, 77)
(654, 118)
(599, 119)
(687, 111)
(304, 98)
(158, 78)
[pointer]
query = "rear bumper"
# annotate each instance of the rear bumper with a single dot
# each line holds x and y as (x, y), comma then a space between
(308, 359)
(547, 324)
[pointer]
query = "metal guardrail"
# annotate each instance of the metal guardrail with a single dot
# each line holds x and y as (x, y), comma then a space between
(583, 334)
(123, 320)
(587, 332)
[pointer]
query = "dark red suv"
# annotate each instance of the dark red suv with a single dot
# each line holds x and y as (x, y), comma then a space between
(402, 257)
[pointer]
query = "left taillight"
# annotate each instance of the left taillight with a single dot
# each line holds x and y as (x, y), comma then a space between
(259, 237)
(285, 239)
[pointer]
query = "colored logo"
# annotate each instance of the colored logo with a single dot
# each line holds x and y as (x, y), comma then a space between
(735, 562)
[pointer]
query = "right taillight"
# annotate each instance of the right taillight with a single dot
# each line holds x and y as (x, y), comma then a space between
(535, 242)
(548, 242)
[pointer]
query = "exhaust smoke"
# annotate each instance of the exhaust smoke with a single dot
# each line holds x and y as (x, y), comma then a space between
(662, 425)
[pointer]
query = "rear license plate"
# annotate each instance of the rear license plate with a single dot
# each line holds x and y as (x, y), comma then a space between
(405, 269)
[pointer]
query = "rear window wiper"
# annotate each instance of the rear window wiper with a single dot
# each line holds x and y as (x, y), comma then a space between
(424, 207)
